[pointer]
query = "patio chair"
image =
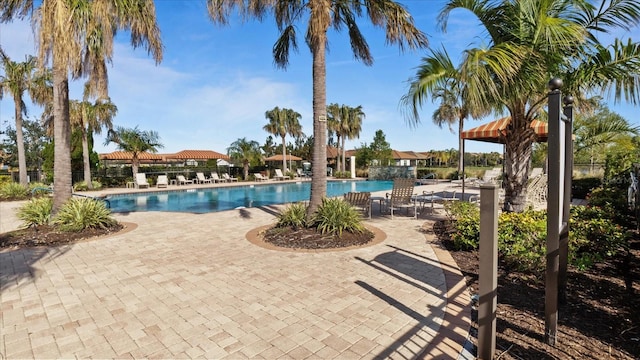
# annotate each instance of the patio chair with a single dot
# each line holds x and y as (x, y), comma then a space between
(216, 178)
(202, 179)
(141, 181)
(163, 181)
(402, 196)
(280, 176)
(226, 176)
(183, 181)
(259, 177)
(360, 201)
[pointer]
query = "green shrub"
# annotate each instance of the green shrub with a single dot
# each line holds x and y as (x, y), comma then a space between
(335, 216)
(580, 188)
(82, 213)
(36, 212)
(293, 215)
(13, 191)
(342, 174)
(593, 236)
(522, 239)
(39, 189)
(613, 201)
(5, 179)
(466, 218)
(82, 186)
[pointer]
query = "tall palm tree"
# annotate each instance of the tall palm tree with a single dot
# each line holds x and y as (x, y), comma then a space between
(244, 151)
(72, 45)
(351, 128)
(531, 41)
(20, 77)
(283, 122)
(334, 120)
(438, 77)
(321, 15)
(91, 118)
(135, 141)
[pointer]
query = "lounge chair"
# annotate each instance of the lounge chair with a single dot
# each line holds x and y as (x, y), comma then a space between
(259, 177)
(226, 176)
(201, 179)
(163, 181)
(216, 178)
(182, 181)
(141, 181)
(280, 176)
(402, 196)
(359, 200)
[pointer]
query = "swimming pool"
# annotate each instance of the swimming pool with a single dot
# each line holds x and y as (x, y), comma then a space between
(207, 200)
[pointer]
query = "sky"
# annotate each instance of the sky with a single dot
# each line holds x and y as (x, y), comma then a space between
(215, 83)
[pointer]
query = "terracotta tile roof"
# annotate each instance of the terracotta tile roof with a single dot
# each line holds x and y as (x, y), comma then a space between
(125, 155)
(332, 152)
(278, 157)
(197, 155)
(395, 154)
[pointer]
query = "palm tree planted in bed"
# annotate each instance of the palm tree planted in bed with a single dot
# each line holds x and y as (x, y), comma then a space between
(320, 16)
(283, 122)
(135, 141)
(245, 152)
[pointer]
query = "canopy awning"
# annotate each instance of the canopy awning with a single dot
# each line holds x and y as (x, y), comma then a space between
(495, 131)
(279, 158)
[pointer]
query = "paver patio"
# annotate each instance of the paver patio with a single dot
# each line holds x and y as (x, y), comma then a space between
(191, 286)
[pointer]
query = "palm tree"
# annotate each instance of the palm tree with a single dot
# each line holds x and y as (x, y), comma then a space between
(351, 128)
(531, 41)
(246, 152)
(334, 121)
(73, 45)
(135, 141)
(322, 14)
(20, 77)
(283, 122)
(90, 118)
(439, 77)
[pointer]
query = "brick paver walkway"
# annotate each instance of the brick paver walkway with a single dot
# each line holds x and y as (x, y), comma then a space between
(189, 286)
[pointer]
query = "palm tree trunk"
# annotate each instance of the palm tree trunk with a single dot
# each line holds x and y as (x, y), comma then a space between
(135, 164)
(284, 156)
(22, 159)
(245, 165)
(338, 138)
(319, 170)
(62, 181)
(517, 157)
(343, 156)
(85, 159)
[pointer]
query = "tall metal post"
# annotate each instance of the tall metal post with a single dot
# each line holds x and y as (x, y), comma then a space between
(488, 271)
(554, 215)
(566, 206)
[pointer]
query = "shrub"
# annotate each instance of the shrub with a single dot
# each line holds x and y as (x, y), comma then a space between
(613, 201)
(82, 186)
(466, 217)
(342, 174)
(36, 212)
(580, 188)
(522, 239)
(335, 216)
(13, 191)
(79, 214)
(593, 236)
(293, 215)
(5, 179)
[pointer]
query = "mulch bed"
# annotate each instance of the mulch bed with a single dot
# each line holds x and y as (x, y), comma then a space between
(601, 319)
(47, 235)
(311, 239)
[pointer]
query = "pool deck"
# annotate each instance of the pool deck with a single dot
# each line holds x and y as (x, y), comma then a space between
(178, 285)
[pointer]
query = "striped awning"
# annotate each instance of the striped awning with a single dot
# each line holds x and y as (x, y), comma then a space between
(495, 131)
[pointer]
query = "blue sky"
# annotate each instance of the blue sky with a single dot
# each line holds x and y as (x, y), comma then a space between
(215, 83)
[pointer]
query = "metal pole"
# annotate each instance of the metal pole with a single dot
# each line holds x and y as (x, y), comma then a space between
(566, 202)
(488, 271)
(553, 215)
(463, 177)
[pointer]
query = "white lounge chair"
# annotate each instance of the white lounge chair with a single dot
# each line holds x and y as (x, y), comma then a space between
(163, 181)
(201, 179)
(229, 178)
(259, 177)
(280, 176)
(141, 181)
(183, 181)
(217, 178)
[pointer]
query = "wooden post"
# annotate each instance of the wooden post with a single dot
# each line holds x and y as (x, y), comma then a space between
(488, 272)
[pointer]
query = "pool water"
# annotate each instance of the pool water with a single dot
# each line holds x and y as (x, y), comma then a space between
(227, 198)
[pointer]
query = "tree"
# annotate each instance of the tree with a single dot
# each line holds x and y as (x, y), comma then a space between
(346, 123)
(135, 141)
(20, 77)
(532, 41)
(269, 148)
(283, 122)
(380, 149)
(80, 45)
(246, 152)
(90, 118)
(438, 77)
(35, 139)
(321, 15)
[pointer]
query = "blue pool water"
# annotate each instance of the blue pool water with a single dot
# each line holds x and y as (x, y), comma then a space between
(226, 198)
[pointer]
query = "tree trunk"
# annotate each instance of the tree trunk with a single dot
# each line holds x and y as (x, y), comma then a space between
(135, 163)
(338, 164)
(85, 158)
(319, 170)
(245, 165)
(62, 181)
(344, 160)
(22, 158)
(518, 149)
(284, 157)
